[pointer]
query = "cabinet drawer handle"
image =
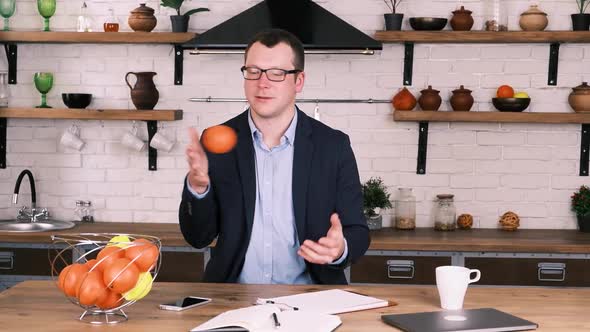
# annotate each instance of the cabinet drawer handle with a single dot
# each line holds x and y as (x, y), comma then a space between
(400, 269)
(551, 271)
(6, 260)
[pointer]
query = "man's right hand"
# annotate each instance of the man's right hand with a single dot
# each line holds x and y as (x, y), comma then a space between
(198, 164)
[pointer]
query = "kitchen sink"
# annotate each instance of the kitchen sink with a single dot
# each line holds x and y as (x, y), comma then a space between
(40, 226)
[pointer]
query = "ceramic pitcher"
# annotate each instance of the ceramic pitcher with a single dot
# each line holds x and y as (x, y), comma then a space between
(144, 94)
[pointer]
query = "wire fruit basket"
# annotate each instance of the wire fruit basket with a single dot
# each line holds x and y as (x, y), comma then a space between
(104, 272)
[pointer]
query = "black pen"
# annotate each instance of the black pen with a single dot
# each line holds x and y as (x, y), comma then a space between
(276, 319)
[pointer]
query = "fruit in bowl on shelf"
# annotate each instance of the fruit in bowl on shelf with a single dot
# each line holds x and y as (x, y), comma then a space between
(511, 104)
(521, 95)
(505, 91)
(122, 273)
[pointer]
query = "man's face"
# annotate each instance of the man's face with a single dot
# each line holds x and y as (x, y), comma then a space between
(270, 99)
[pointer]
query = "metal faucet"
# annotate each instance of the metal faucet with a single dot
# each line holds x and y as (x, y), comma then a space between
(23, 213)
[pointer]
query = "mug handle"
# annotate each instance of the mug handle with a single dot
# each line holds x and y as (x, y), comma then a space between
(127, 79)
(477, 275)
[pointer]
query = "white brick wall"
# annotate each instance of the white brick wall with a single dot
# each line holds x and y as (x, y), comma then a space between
(531, 169)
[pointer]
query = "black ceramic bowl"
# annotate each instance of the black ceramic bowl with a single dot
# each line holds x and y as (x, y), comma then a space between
(76, 100)
(427, 23)
(511, 104)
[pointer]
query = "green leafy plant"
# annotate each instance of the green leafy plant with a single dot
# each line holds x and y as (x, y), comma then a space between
(581, 201)
(582, 5)
(375, 195)
(392, 4)
(176, 4)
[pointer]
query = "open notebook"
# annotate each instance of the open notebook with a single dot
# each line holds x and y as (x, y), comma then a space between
(269, 317)
(333, 301)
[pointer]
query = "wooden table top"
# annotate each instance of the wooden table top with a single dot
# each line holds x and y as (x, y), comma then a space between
(40, 306)
(420, 239)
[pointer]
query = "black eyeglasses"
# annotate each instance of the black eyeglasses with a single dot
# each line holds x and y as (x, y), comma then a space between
(273, 74)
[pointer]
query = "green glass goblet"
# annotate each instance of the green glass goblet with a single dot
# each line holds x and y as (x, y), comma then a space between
(43, 83)
(7, 8)
(46, 9)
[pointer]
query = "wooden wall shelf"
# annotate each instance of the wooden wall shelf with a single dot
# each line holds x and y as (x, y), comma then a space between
(96, 37)
(10, 39)
(504, 117)
(151, 117)
(90, 114)
(483, 36)
(424, 117)
(553, 38)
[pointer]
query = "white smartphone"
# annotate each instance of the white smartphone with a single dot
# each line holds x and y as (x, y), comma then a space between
(185, 303)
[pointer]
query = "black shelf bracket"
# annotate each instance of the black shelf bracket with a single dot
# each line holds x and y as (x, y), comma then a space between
(408, 62)
(584, 149)
(553, 63)
(152, 127)
(11, 52)
(422, 147)
(3, 142)
(178, 62)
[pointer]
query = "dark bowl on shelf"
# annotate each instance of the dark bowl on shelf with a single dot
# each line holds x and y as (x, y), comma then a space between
(76, 100)
(511, 104)
(428, 23)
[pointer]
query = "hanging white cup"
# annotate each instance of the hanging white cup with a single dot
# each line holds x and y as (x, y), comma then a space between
(452, 282)
(71, 138)
(161, 142)
(131, 140)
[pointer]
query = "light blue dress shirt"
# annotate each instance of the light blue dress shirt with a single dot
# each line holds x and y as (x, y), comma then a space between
(271, 257)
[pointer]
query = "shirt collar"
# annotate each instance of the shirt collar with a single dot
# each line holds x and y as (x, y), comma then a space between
(289, 133)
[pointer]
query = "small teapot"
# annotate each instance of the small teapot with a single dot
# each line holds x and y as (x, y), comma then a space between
(142, 19)
(461, 100)
(429, 99)
(462, 20)
(579, 98)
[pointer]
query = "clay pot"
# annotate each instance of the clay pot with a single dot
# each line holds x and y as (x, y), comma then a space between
(142, 19)
(533, 19)
(462, 100)
(404, 100)
(462, 20)
(429, 99)
(144, 94)
(579, 98)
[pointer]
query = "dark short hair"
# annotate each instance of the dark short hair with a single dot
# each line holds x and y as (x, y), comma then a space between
(272, 37)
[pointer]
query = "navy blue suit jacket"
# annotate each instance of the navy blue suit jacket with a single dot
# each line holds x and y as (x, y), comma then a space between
(325, 180)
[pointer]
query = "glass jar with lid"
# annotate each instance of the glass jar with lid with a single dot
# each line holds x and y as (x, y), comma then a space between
(445, 213)
(4, 92)
(495, 16)
(111, 24)
(405, 209)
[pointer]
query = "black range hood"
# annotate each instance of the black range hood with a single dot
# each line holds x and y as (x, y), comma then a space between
(317, 28)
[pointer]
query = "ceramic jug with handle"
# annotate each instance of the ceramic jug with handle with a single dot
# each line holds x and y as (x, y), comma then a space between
(144, 94)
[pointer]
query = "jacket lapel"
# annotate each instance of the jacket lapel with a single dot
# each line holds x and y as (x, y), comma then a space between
(246, 166)
(302, 156)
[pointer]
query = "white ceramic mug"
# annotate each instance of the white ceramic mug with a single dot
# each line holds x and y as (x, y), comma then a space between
(161, 142)
(452, 282)
(71, 138)
(131, 140)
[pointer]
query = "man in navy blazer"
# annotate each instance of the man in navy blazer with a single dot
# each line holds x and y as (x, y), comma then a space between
(285, 205)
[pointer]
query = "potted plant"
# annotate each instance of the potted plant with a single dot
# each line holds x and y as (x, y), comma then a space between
(581, 21)
(180, 22)
(581, 205)
(393, 20)
(375, 198)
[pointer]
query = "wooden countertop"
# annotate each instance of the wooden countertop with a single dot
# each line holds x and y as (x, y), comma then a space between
(40, 306)
(421, 239)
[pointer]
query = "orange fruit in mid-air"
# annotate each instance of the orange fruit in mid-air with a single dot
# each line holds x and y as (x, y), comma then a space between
(110, 301)
(73, 275)
(92, 289)
(505, 91)
(219, 139)
(121, 275)
(142, 253)
(109, 254)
